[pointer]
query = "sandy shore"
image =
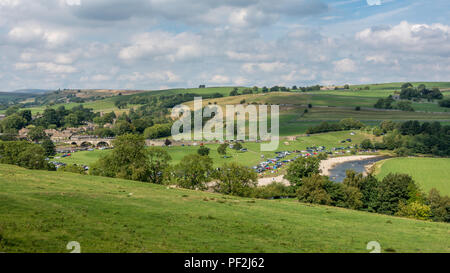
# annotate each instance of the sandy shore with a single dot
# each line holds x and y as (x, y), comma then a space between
(327, 165)
(269, 180)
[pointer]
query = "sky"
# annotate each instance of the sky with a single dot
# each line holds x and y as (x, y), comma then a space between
(159, 44)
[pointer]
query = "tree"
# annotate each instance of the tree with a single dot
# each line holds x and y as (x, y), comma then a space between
(121, 104)
(128, 160)
(405, 106)
(123, 127)
(33, 157)
(203, 151)
(235, 180)
(14, 122)
(350, 123)
(36, 133)
(222, 149)
(49, 147)
(158, 163)
(439, 205)
(366, 144)
(234, 92)
(352, 197)
(445, 103)
(12, 110)
(302, 167)
(393, 189)
(312, 190)
(26, 114)
(158, 131)
(10, 150)
(369, 191)
(194, 171)
(237, 146)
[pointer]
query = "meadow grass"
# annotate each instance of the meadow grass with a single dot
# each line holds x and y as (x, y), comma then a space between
(42, 211)
(427, 172)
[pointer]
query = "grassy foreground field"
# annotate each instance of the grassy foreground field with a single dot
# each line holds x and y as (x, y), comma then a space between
(42, 211)
(427, 172)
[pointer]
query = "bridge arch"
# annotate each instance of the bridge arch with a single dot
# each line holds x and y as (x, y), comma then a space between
(86, 144)
(102, 144)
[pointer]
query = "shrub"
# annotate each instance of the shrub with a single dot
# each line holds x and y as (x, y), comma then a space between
(72, 169)
(235, 180)
(273, 190)
(414, 210)
(439, 205)
(393, 189)
(194, 171)
(312, 190)
(203, 151)
(302, 168)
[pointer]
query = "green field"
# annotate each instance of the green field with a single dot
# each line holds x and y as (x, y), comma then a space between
(427, 172)
(250, 158)
(42, 211)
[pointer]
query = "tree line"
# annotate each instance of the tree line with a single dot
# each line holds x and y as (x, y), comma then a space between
(344, 124)
(413, 137)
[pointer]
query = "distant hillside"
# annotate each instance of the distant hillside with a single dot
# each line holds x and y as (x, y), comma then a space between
(31, 91)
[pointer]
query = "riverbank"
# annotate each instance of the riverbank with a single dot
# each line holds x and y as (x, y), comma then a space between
(327, 165)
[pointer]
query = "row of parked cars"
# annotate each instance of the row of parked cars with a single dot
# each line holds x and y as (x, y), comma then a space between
(280, 160)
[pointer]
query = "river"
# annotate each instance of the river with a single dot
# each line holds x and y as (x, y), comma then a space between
(337, 173)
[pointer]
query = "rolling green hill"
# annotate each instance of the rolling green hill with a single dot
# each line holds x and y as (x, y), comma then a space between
(42, 211)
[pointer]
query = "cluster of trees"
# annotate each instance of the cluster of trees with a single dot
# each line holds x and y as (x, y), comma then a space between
(307, 88)
(409, 92)
(131, 160)
(396, 194)
(51, 118)
(388, 103)
(410, 137)
(26, 154)
(163, 101)
(344, 124)
(445, 103)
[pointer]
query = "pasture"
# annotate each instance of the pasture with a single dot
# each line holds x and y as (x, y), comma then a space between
(427, 172)
(42, 211)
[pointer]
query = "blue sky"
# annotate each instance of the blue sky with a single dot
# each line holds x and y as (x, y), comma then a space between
(153, 44)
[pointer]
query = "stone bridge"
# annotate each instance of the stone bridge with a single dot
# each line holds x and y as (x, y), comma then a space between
(90, 141)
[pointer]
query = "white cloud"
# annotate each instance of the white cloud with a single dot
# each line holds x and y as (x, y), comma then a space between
(263, 67)
(164, 45)
(30, 33)
(344, 66)
(158, 76)
(46, 67)
(408, 37)
(220, 79)
(374, 2)
(9, 3)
